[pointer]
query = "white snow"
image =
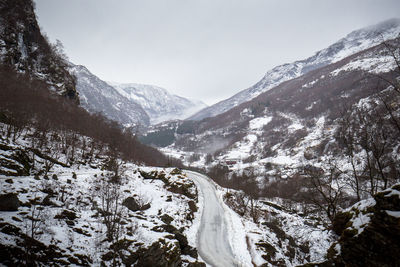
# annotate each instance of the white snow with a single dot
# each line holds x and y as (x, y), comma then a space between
(222, 238)
(376, 65)
(258, 123)
(393, 213)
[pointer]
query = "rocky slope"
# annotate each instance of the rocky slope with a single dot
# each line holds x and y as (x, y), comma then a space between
(24, 48)
(354, 42)
(369, 232)
(98, 96)
(158, 103)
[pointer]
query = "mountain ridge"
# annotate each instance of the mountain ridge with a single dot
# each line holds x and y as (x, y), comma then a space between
(352, 43)
(158, 102)
(131, 104)
(98, 96)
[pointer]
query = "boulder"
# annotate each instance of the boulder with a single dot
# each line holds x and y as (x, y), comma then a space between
(165, 218)
(133, 205)
(9, 202)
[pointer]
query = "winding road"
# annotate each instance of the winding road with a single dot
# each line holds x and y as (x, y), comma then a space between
(212, 241)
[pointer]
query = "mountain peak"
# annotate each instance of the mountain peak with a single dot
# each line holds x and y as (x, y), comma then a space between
(158, 103)
(381, 26)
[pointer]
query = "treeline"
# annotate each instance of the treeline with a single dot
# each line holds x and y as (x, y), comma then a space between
(28, 103)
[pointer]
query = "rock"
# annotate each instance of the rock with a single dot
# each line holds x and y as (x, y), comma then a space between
(160, 254)
(149, 175)
(17, 162)
(178, 235)
(133, 205)
(182, 188)
(9, 202)
(47, 201)
(176, 171)
(16, 219)
(196, 264)
(369, 232)
(340, 222)
(165, 218)
(66, 214)
(192, 206)
(108, 256)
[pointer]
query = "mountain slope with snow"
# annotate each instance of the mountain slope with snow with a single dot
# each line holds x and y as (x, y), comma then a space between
(158, 103)
(354, 42)
(131, 104)
(291, 124)
(98, 96)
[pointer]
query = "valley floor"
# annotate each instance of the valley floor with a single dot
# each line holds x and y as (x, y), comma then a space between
(85, 214)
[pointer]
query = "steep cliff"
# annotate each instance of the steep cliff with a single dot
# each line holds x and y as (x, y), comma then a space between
(23, 47)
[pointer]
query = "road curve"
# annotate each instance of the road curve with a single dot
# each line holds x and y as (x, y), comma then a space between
(212, 240)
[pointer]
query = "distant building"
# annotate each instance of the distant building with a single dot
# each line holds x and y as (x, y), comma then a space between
(230, 162)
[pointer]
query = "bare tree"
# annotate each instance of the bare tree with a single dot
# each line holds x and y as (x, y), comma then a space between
(34, 226)
(325, 189)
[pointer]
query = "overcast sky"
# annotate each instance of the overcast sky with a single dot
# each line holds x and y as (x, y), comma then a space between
(202, 49)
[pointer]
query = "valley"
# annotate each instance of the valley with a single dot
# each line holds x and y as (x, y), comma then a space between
(300, 169)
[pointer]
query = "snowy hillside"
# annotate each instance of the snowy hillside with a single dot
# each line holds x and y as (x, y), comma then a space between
(98, 96)
(100, 210)
(289, 126)
(302, 169)
(354, 42)
(159, 104)
(83, 214)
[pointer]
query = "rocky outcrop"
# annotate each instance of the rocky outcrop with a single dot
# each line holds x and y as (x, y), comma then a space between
(14, 161)
(369, 232)
(31, 252)
(184, 246)
(159, 254)
(134, 205)
(25, 49)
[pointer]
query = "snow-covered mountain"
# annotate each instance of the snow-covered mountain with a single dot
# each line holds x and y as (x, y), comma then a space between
(354, 42)
(288, 165)
(98, 96)
(158, 103)
(131, 104)
(285, 126)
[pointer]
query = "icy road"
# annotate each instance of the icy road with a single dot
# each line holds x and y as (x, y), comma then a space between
(213, 240)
